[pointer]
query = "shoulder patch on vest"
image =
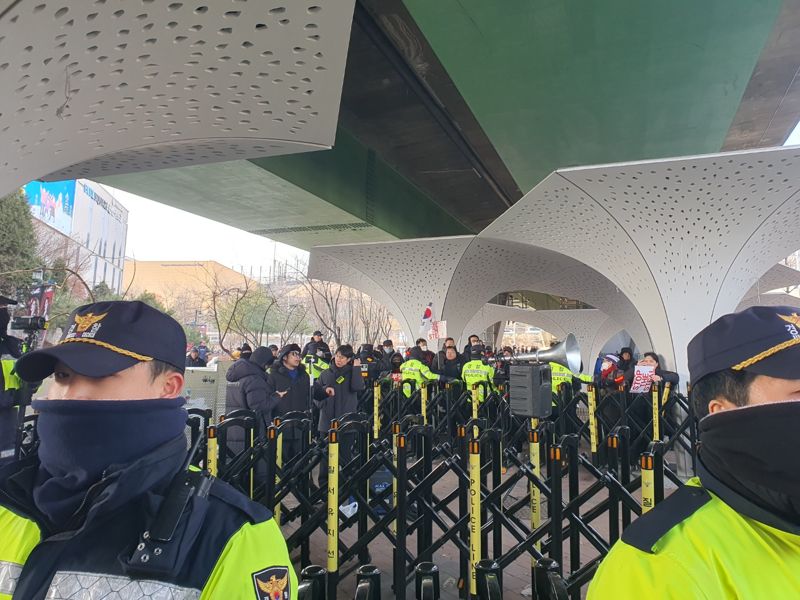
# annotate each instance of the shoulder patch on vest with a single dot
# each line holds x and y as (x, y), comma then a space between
(255, 512)
(272, 584)
(645, 531)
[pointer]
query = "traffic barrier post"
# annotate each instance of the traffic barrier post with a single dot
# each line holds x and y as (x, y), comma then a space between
(474, 512)
(333, 512)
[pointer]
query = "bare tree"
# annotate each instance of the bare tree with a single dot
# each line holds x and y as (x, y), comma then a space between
(326, 302)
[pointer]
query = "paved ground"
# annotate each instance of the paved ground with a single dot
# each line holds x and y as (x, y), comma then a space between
(516, 577)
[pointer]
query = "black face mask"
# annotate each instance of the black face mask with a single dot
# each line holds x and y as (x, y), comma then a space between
(753, 450)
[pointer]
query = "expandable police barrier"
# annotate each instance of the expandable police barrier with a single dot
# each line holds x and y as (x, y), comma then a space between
(579, 475)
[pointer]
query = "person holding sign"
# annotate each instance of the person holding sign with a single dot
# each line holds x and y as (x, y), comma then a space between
(649, 372)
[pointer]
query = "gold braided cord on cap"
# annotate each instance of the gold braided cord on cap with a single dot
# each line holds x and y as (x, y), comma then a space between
(766, 354)
(108, 346)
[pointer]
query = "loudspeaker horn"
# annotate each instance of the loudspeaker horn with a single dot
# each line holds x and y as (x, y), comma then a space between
(566, 354)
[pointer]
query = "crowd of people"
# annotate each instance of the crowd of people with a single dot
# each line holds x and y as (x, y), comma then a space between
(273, 382)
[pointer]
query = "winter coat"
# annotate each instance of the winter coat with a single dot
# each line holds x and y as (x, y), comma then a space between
(346, 383)
(298, 396)
(449, 368)
(321, 345)
(247, 388)
(195, 362)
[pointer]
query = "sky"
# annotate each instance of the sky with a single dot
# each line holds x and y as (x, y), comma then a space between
(184, 236)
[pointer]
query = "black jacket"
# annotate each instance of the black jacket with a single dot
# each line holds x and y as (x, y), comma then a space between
(321, 345)
(195, 362)
(299, 393)
(346, 383)
(117, 510)
(247, 389)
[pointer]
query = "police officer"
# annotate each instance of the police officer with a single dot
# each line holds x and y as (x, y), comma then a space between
(314, 360)
(733, 531)
(416, 370)
(88, 515)
(477, 370)
(10, 385)
(319, 345)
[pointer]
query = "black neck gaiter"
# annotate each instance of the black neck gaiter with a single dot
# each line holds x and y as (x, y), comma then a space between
(81, 439)
(753, 451)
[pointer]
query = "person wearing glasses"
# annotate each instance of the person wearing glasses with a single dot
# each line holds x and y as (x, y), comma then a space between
(288, 390)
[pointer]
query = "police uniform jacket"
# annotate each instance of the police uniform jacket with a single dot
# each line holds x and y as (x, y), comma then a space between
(225, 546)
(346, 383)
(10, 350)
(418, 372)
(476, 371)
(704, 541)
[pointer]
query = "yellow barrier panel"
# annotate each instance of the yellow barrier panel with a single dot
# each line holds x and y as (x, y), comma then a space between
(474, 513)
(535, 493)
(648, 483)
(212, 451)
(656, 407)
(252, 469)
(279, 462)
(376, 411)
(665, 395)
(475, 405)
(423, 400)
(592, 420)
(395, 432)
(333, 502)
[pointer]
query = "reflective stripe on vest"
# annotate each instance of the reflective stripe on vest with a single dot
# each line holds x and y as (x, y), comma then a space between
(9, 574)
(72, 584)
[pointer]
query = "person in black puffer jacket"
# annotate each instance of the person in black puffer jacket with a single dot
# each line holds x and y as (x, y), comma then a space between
(336, 394)
(288, 385)
(247, 389)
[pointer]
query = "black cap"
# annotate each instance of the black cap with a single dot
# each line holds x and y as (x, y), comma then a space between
(6, 301)
(476, 350)
(262, 356)
(107, 337)
(388, 343)
(317, 332)
(286, 349)
(760, 339)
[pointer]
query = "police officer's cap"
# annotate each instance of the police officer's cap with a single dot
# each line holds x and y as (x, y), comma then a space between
(761, 339)
(6, 301)
(476, 350)
(107, 337)
(317, 332)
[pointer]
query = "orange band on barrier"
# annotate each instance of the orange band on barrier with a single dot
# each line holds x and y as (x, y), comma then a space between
(212, 431)
(401, 440)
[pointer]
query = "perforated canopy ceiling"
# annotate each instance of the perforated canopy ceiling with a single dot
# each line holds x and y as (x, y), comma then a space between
(93, 88)
(670, 243)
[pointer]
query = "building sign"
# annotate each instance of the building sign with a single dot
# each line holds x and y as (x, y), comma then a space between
(52, 202)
